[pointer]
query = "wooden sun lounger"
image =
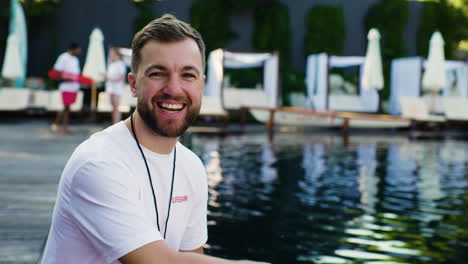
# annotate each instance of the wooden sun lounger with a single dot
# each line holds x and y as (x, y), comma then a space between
(347, 117)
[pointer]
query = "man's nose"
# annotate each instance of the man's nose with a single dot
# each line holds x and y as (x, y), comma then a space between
(174, 85)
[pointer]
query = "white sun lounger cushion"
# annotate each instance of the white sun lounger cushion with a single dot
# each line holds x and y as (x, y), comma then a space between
(346, 103)
(13, 99)
(235, 98)
(455, 108)
(211, 105)
(415, 108)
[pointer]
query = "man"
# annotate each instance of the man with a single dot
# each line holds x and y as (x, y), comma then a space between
(132, 193)
(67, 64)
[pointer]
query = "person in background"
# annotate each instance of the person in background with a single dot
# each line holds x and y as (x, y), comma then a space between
(132, 193)
(115, 82)
(67, 64)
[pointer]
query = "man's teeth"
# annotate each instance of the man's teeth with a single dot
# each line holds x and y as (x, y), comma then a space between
(172, 106)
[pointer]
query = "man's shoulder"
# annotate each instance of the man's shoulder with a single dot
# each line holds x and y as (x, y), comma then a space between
(104, 145)
(192, 165)
(188, 154)
(105, 151)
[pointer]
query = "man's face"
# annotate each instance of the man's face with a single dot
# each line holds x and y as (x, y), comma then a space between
(76, 51)
(169, 85)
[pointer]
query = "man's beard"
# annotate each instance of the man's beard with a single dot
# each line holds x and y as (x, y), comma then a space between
(151, 120)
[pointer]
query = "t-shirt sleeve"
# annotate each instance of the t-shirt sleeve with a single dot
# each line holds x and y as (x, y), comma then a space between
(196, 233)
(60, 63)
(106, 208)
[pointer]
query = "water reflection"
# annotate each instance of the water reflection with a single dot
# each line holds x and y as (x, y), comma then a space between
(308, 199)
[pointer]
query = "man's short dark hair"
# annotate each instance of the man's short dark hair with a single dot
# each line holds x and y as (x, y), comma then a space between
(164, 29)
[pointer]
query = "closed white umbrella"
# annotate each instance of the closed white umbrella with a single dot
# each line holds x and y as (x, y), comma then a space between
(373, 75)
(95, 64)
(434, 76)
(12, 65)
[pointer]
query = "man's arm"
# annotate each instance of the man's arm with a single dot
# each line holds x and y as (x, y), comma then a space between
(197, 250)
(159, 253)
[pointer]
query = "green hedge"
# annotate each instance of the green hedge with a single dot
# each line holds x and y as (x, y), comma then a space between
(325, 30)
(211, 19)
(449, 20)
(145, 15)
(272, 30)
(390, 18)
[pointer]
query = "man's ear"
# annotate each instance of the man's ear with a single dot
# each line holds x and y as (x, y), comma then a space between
(131, 78)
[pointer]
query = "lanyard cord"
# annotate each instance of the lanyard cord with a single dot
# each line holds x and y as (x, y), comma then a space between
(151, 181)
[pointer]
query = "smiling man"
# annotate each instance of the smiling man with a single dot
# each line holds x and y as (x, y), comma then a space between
(132, 193)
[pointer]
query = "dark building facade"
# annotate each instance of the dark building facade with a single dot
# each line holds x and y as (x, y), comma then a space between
(75, 20)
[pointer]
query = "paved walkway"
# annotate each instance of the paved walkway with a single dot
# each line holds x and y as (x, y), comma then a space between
(31, 161)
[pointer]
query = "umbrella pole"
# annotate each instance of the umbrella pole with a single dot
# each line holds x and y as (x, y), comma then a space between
(433, 102)
(93, 97)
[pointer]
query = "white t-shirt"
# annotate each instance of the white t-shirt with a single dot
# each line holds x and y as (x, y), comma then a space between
(68, 63)
(105, 207)
(115, 70)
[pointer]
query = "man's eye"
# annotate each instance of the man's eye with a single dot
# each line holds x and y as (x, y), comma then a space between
(189, 75)
(155, 74)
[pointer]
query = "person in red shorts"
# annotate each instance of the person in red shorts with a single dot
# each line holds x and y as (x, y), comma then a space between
(67, 64)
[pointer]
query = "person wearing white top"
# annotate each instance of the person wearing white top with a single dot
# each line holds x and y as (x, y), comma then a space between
(67, 64)
(132, 193)
(115, 82)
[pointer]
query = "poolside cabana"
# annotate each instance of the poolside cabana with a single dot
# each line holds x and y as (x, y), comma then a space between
(406, 81)
(318, 85)
(235, 98)
(349, 110)
(240, 99)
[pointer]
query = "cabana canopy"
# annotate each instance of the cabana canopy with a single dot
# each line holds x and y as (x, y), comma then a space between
(318, 66)
(406, 78)
(220, 59)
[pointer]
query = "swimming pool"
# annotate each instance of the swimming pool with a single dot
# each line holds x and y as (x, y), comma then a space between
(306, 198)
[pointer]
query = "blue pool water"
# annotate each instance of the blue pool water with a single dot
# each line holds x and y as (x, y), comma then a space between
(303, 198)
(306, 198)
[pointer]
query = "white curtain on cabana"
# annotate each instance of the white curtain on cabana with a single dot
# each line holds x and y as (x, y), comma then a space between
(215, 74)
(316, 80)
(219, 59)
(406, 79)
(317, 75)
(460, 69)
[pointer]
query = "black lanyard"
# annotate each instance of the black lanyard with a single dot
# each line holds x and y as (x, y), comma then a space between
(151, 181)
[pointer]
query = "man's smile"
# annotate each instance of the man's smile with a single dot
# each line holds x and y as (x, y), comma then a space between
(171, 107)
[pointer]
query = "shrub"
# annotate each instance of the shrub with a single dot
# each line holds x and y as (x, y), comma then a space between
(390, 18)
(442, 16)
(145, 15)
(211, 19)
(326, 31)
(272, 30)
